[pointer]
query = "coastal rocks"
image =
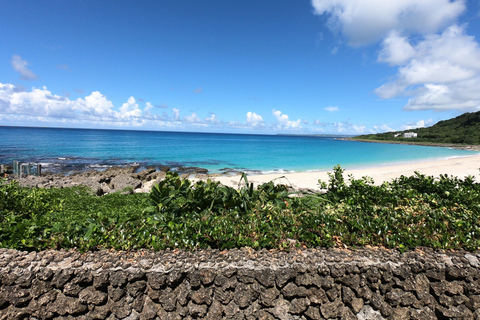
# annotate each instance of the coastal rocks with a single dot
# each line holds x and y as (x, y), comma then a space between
(240, 284)
(121, 179)
(114, 179)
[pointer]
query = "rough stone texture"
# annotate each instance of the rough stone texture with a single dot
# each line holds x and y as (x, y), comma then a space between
(240, 284)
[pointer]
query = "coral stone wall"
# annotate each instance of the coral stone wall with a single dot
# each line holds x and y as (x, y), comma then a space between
(240, 284)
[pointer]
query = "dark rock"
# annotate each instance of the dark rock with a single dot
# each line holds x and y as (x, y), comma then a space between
(334, 293)
(347, 314)
(265, 277)
(64, 305)
(116, 293)
(202, 296)
(245, 276)
(317, 296)
(121, 308)
(100, 312)
(474, 302)
(231, 310)
(118, 278)
(313, 313)
(142, 175)
(18, 297)
(424, 313)
(298, 306)
(150, 309)
(460, 312)
(281, 309)
(120, 182)
(224, 296)
(268, 296)
(347, 295)
(61, 277)
(398, 297)
(215, 311)
(156, 280)
(167, 299)
(284, 275)
(91, 296)
(39, 287)
(245, 294)
(337, 271)
(291, 290)
(136, 288)
(331, 309)
(400, 314)
(183, 292)
(207, 276)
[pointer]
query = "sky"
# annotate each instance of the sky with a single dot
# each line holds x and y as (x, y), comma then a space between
(250, 66)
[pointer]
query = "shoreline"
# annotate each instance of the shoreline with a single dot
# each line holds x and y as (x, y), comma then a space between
(103, 182)
(470, 147)
(460, 167)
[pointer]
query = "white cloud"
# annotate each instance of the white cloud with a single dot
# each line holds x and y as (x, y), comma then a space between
(418, 124)
(96, 105)
(149, 106)
(396, 50)
(382, 128)
(20, 66)
(41, 105)
(440, 72)
(283, 122)
(319, 123)
(212, 119)
(130, 109)
(254, 120)
(368, 21)
(176, 114)
(193, 118)
(332, 109)
(198, 90)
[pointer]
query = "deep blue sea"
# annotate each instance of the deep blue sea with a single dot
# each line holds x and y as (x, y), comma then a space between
(64, 150)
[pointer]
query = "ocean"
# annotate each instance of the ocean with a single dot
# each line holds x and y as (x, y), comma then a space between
(68, 150)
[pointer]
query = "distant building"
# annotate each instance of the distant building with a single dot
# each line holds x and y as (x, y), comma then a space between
(396, 135)
(410, 135)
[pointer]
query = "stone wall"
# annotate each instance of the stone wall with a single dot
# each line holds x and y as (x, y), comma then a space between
(240, 284)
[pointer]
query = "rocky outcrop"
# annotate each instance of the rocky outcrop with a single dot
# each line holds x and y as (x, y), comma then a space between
(115, 179)
(240, 284)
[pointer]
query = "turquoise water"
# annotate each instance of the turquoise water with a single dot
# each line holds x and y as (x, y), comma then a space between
(79, 149)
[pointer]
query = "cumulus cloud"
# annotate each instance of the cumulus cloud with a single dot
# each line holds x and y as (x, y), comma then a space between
(332, 109)
(283, 122)
(418, 124)
(382, 128)
(212, 119)
(193, 118)
(176, 114)
(367, 21)
(20, 66)
(42, 105)
(440, 72)
(254, 120)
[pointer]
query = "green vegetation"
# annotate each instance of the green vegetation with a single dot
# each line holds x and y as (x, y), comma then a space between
(464, 129)
(403, 214)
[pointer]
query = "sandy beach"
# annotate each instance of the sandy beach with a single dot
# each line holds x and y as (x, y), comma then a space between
(459, 167)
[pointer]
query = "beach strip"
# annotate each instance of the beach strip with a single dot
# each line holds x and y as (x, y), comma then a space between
(460, 167)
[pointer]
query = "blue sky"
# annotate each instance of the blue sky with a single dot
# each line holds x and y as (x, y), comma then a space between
(321, 66)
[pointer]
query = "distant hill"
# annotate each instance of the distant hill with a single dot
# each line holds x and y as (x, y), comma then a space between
(464, 129)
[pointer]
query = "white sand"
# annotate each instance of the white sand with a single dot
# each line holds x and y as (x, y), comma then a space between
(459, 167)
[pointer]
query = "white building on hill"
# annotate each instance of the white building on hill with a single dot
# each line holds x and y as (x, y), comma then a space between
(410, 135)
